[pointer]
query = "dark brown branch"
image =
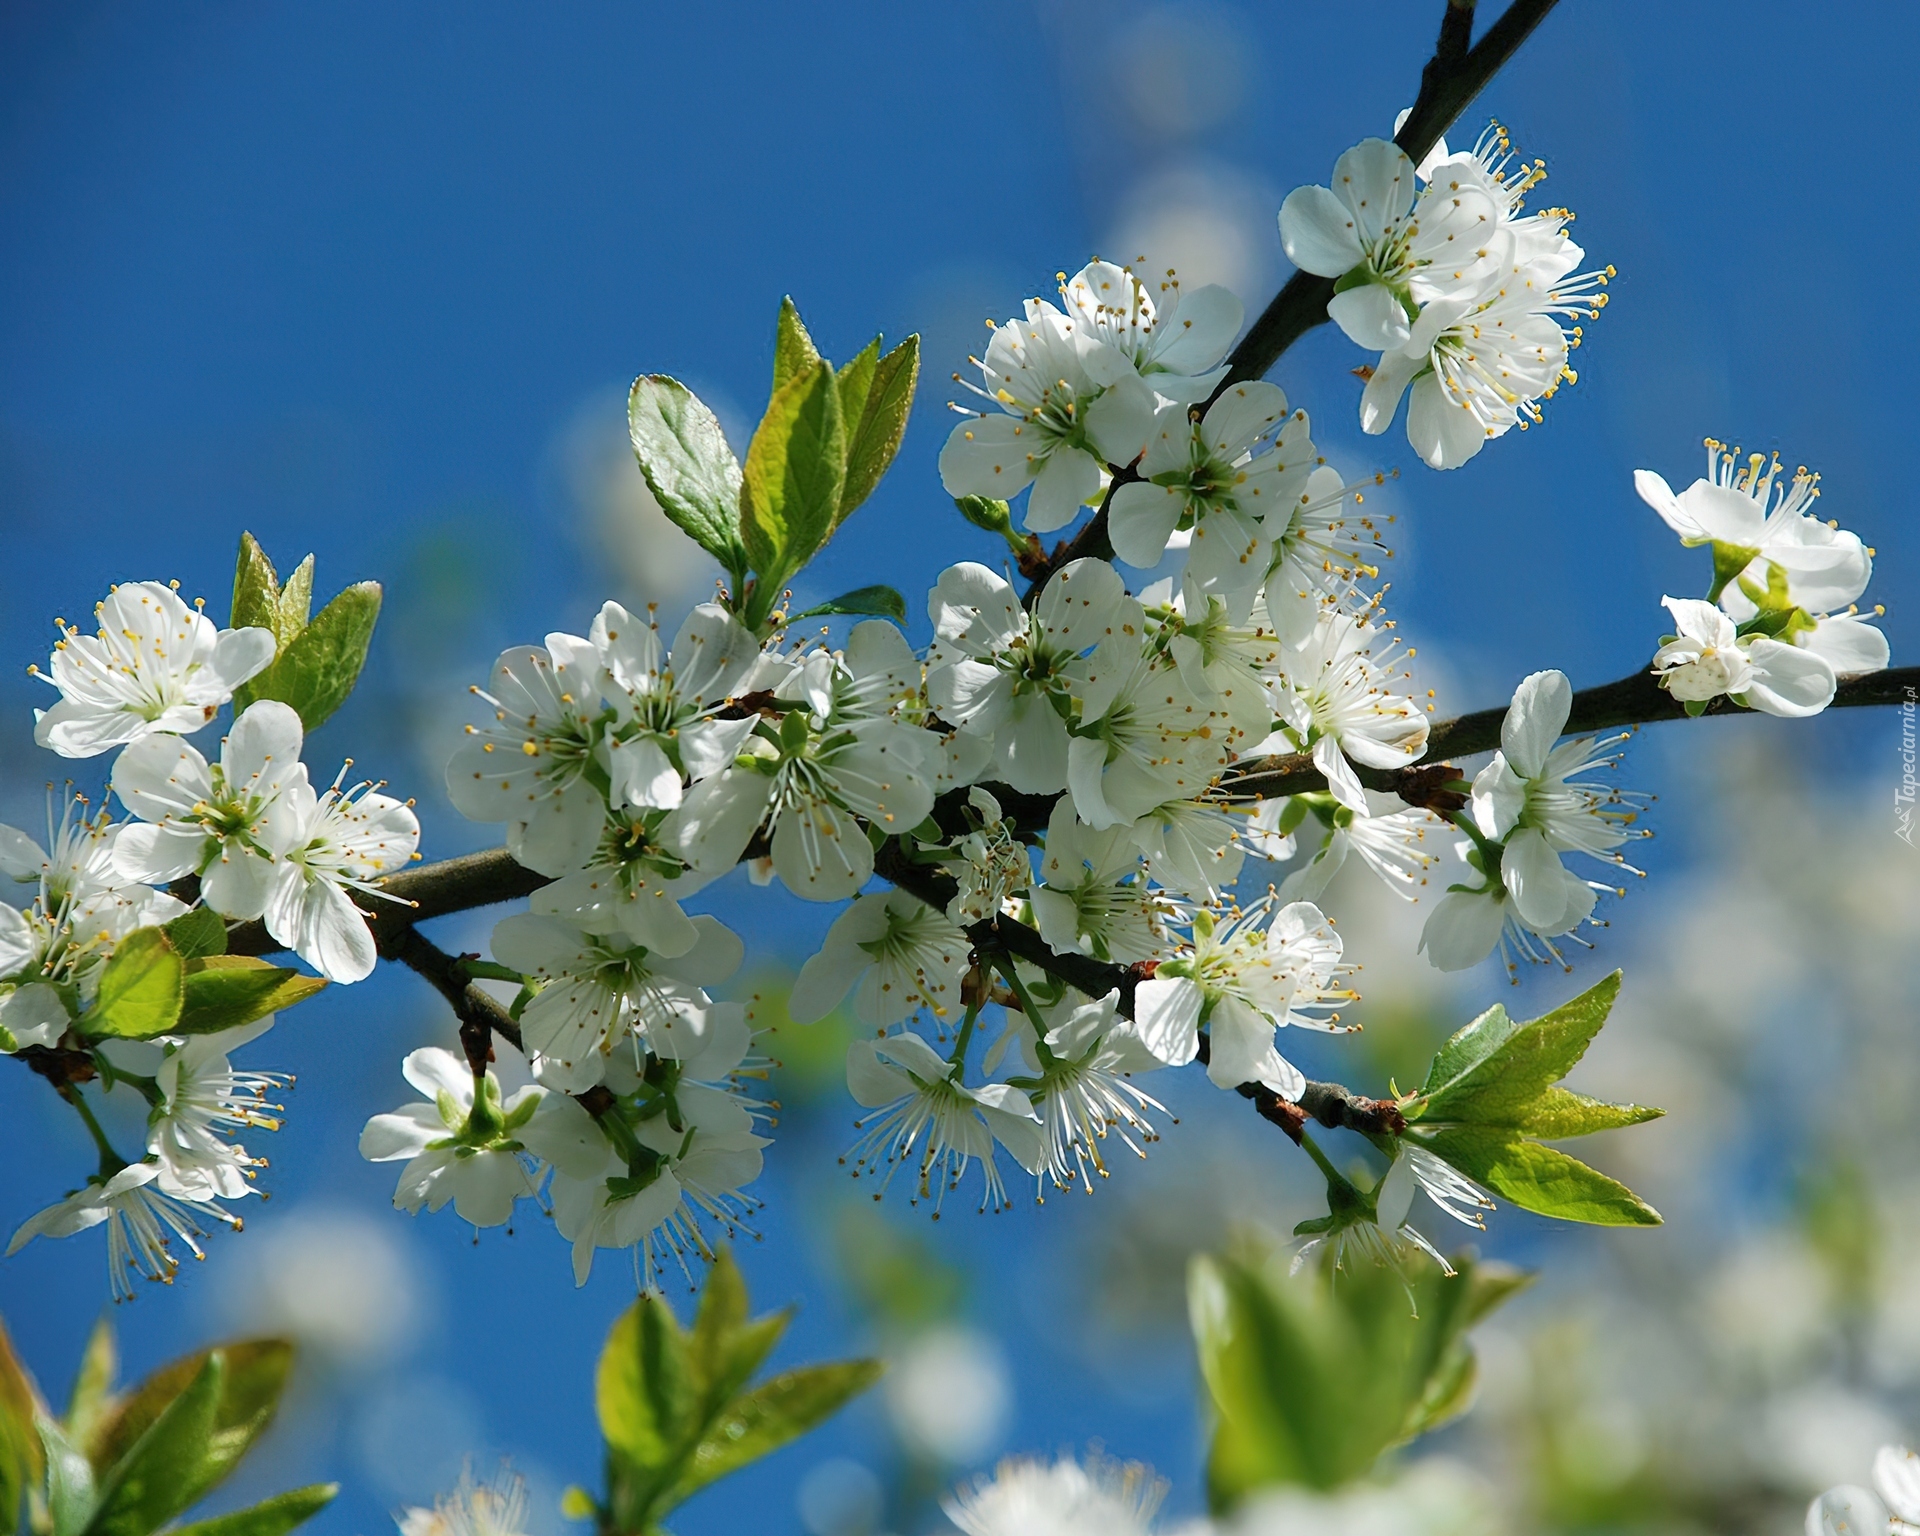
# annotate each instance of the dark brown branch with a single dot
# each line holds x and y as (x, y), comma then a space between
(1451, 79)
(1637, 699)
(480, 1016)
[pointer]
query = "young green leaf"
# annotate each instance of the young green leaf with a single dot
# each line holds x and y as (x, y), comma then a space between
(645, 1391)
(254, 1373)
(766, 1418)
(728, 1346)
(158, 1475)
(256, 589)
(225, 991)
(22, 1454)
(92, 1396)
(270, 1517)
(1503, 1067)
(790, 494)
(875, 432)
(1560, 1113)
(141, 989)
(199, 932)
(1538, 1178)
(316, 669)
(880, 602)
(793, 348)
(71, 1494)
(688, 466)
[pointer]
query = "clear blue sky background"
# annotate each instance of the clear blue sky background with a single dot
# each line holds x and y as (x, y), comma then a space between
(355, 277)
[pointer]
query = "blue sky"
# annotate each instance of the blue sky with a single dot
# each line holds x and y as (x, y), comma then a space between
(370, 282)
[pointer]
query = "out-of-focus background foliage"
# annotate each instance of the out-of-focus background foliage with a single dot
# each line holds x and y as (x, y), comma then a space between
(371, 280)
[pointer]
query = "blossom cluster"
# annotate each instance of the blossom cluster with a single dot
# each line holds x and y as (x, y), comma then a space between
(1465, 297)
(242, 838)
(1782, 622)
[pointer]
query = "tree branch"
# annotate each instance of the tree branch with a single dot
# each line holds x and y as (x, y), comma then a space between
(1451, 79)
(480, 1016)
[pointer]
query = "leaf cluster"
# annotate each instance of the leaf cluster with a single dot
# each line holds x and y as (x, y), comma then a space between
(1311, 1381)
(677, 1407)
(127, 1463)
(317, 660)
(827, 437)
(178, 980)
(1491, 1098)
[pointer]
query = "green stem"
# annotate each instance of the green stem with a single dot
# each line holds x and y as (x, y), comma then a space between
(959, 1056)
(111, 1162)
(1334, 1176)
(1006, 968)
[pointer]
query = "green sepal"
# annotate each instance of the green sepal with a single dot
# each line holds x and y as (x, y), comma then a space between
(688, 466)
(987, 512)
(226, 991)
(141, 989)
(880, 602)
(197, 933)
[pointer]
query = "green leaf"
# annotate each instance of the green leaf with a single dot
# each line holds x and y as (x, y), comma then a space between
(727, 1346)
(793, 349)
(71, 1496)
(646, 1392)
(1539, 1178)
(92, 1397)
(254, 1375)
(767, 1418)
(880, 602)
(22, 1453)
(226, 991)
(796, 467)
(140, 989)
(158, 1474)
(200, 932)
(1311, 1382)
(875, 431)
(256, 589)
(688, 466)
(316, 669)
(270, 1517)
(1504, 1067)
(1559, 1113)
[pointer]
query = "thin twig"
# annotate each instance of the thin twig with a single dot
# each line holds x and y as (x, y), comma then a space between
(480, 1016)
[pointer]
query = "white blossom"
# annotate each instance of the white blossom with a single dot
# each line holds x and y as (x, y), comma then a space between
(923, 1113)
(1095, 897)
(203, 1101)
(1223, 482)
(597, 992)
(1891, 1508)
(157, 665)
(452, 1153)
(1026, 1497)
(1708, 657)
(1252, 973)
(1339, 703)
(210, 820)
(1759, 515)
(1068, 404)
(497, 1508)
(324, 846)
(1394, 257)
(666, 701)
(991, 866)
(1000, 672)
(1143, 739)
(142, 1223)
(904, 956)
(1084, 1090)
(1321, 551)
(1392, 845)
(1176, 340)
(532, 767)
(631, 886)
